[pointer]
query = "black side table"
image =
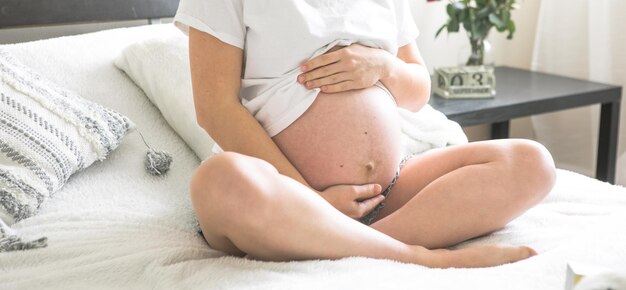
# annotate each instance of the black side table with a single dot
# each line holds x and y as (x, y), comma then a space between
(521, 93)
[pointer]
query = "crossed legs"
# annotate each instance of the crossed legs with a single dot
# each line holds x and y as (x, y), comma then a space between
(442, 197)
(451, 195)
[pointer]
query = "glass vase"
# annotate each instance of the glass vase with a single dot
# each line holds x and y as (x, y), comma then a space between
(476, 52)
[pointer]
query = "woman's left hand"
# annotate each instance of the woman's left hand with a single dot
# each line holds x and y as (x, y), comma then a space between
(348, 68)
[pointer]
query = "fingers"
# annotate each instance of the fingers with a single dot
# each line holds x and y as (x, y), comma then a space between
(354, 201)
(368, 197)
(339, 82)
(322, 72)
(531, 252)
(320, 61)
(345, 69)
(327, 80)
(366, 206)
(367, 191)
(340, 87)
(329, 72)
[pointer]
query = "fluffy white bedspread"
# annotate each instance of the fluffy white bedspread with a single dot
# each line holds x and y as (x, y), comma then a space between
(115, 226)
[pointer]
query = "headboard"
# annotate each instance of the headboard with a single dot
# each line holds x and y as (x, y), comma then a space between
(19, 13)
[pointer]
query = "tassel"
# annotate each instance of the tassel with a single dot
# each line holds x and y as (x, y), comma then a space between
(9, 241)
(157, 162)
(15, 243)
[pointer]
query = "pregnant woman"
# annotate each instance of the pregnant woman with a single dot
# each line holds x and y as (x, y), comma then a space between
(302, 95)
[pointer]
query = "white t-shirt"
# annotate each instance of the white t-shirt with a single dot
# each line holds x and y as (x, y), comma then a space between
(277, 36)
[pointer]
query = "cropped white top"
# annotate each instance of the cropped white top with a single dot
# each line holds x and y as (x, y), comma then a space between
(277, 36)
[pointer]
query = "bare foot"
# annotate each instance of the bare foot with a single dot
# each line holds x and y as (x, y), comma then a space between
(474, 257)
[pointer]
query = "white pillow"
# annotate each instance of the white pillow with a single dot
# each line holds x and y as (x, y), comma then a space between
(47, 134)
(160, 67)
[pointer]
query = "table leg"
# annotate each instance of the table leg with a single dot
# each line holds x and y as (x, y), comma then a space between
(500, 130)
(607, 142)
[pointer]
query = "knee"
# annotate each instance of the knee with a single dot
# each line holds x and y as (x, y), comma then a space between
(533, 167)
(230, 187)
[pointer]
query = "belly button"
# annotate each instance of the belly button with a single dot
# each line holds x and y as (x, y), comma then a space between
(369, 166)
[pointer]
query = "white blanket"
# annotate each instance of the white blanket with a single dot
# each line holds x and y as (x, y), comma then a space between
(115, 226)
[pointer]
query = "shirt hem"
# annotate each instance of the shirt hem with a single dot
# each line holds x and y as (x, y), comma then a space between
(275, 127)
(407, 39)
(183, 21)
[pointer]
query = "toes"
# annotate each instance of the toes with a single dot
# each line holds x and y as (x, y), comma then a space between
(522, 253)
(531, 251)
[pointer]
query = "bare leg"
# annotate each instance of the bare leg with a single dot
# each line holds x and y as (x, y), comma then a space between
(245, 206)
(450, 195)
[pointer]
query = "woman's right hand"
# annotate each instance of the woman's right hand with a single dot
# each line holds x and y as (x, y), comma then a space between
(354, 201)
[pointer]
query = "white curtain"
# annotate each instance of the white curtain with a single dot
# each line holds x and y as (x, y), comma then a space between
(582, 39)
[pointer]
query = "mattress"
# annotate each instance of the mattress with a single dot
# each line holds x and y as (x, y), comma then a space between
(115, 226)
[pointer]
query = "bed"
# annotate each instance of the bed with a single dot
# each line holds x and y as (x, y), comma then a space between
(113, 225)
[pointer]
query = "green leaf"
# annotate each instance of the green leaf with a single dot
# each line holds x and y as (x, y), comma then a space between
(453, 26)
(462, 15)
(478, 19)
(450, 10)
(495, 20)
(483, 12)
(440, 30)
(480, 29)
(467, 24)
(511, 27)
(506, 16)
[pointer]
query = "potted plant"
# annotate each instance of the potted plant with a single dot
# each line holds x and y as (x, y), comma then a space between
(477, 18)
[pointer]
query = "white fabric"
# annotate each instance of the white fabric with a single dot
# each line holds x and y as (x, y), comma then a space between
(160, 66)
(47, 133)
(113, 226)
(591, 45)
(428, 129)
(280, 35)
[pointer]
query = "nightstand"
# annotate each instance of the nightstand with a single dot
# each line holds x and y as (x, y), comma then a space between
(521, 93)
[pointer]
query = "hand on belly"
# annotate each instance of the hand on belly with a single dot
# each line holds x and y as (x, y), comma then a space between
(350, 137)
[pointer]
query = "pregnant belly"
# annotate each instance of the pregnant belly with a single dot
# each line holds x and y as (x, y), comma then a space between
(350, 137)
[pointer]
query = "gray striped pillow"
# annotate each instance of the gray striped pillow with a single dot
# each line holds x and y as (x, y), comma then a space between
(47, 133)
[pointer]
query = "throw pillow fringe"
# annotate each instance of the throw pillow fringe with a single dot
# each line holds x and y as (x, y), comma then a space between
(9, 241)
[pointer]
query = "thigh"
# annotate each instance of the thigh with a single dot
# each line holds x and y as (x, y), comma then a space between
(423, 169)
